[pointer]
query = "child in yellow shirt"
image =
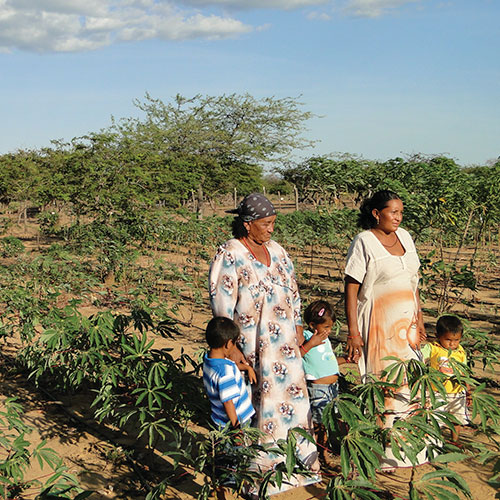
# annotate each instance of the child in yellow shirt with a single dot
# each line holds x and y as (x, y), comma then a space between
(449, 331)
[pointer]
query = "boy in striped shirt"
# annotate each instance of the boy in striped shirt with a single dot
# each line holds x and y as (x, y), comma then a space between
(226, 389)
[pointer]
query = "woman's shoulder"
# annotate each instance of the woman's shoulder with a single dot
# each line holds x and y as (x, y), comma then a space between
(406, 238)
(230, 245)
(403, 233)
(275, 247)
(364, 235)
(363, 239)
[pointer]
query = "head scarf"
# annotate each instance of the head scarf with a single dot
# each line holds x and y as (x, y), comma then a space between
(253, 207)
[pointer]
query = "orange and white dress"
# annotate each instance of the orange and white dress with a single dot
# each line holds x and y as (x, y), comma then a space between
(387, 310)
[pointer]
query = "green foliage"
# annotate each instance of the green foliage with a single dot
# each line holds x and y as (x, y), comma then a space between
(225, 457)
(48, 222)
(114, 353)
(439, 484)
(16, 454)
(11, 246)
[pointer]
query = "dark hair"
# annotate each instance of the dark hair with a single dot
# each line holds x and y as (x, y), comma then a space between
(317, 312)
(448, 324)
(220, 330)
(239, 229)
(378, 201)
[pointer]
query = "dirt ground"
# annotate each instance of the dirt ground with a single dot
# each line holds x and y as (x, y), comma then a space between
(97, 455)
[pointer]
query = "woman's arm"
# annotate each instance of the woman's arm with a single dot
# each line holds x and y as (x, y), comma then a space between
(420, 320)
(354, 339)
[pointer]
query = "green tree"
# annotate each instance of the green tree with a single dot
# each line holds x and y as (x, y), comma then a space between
(216, 142)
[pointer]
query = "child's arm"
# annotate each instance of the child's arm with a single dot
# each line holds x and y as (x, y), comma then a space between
(231, 412)
(315, 340)
(245, 367)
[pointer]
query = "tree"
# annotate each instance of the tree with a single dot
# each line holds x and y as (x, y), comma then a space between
(217, 142)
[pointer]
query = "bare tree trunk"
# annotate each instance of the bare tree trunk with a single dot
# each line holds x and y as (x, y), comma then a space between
(199, 202)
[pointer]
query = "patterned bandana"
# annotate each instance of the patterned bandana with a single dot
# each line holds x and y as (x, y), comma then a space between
(253, 207)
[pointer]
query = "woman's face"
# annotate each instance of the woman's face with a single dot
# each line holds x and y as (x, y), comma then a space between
(390, 217)
(260, 230)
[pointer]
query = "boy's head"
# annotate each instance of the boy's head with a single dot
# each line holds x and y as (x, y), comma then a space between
(449, 331)
(220, 331)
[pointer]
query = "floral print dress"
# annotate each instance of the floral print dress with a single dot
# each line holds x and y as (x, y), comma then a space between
(264, 301)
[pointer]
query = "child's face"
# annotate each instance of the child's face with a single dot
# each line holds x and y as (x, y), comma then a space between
(450, 341)
(325, 327)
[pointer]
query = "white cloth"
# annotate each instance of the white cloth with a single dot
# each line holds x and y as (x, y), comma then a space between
(386, 314)
(387, 306)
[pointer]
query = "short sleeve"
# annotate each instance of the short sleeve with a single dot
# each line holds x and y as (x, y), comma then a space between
(223, 284)
(228, 387)
(357, 260)
(295, 292)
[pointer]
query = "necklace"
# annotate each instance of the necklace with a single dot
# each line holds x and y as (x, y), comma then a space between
(268, 257)
(390, 246)
(387, 246)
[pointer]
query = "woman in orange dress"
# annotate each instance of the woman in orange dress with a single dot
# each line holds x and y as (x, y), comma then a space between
(381, 296)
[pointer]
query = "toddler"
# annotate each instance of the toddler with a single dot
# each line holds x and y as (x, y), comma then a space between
(321, 367)
(226, 389)
(449, 333)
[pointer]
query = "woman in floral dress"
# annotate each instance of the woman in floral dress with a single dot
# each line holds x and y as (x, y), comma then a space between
(252, 281)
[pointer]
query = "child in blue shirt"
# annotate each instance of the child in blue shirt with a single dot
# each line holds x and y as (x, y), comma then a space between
(226, 389)
(321, 367)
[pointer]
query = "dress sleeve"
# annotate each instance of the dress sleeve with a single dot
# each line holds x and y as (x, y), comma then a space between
(223, 284)
(297, 314)
(357, 260)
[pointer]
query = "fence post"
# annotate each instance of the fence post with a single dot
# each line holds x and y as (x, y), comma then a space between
(235, 198)
(296, 192)
(199, 202)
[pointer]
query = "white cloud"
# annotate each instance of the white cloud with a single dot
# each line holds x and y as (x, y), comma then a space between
(255, 4)
(81, 25)
(373, 8)
(318, 16)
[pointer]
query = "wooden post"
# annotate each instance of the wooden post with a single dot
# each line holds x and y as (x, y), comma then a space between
(296, 191)
(235, 198)
(264, 190)
(199, 204)
(279, 200)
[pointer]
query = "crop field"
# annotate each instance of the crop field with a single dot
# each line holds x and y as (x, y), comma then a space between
(105, 244)
(74, 336)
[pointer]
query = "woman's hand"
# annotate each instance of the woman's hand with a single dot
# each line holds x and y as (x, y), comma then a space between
(354, 346)
(237, 356)
(252, 377)
(354, 339)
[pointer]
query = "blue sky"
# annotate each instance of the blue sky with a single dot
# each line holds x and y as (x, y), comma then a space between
(385, 77)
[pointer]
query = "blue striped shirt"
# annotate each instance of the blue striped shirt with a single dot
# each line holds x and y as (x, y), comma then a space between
(223, 382)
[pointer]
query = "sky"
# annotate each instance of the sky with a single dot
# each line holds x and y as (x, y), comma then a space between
(383, 78)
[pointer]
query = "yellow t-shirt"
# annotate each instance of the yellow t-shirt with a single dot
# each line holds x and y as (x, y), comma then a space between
(439, 359)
